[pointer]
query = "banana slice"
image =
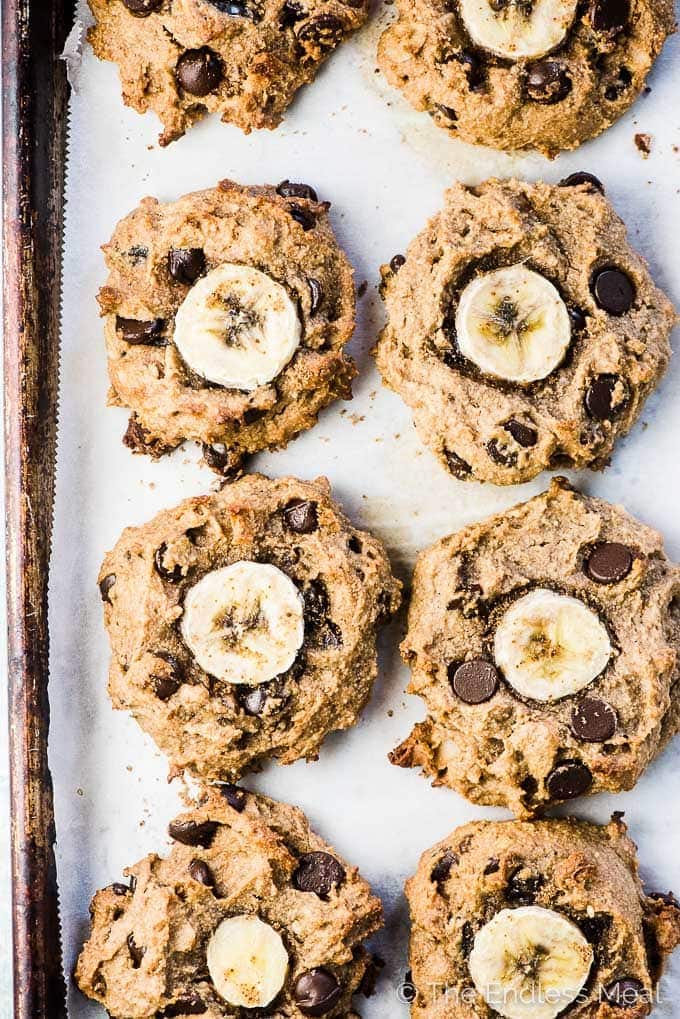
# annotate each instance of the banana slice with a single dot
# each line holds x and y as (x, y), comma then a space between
(513, 324)
(237, 327)
(244, 623)
(247, 961)
(550, 645)
(518, 29)
(530, 963)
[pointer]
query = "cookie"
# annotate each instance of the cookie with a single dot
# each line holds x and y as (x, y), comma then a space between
(243, 624)
(544, 75)
(250, 913)
(544, 642)
(524, 332)
(226, 314)
(531, 920)
(243, 59)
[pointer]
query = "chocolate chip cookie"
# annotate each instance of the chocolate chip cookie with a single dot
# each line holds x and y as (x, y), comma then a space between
(243, 59)
(226, 314)
(544, 642)
(243, 624)
(524, 74)
(524, 332)
(537, 919)
(250, 913)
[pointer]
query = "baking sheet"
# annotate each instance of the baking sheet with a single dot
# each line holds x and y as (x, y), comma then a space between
(384, 167)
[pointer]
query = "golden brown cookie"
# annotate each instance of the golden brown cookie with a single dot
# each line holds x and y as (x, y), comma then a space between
(250, 913)
(544, 642)
(243, 59)
(524, 332)
(537, 919)
(226, 314)
(542, 74)
(243, 624)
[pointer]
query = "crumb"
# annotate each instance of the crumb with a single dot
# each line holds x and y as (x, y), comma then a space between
(372, 395)
(390, 713)
(363, 287)
(644, 144)
(79, 792)
(356, 419)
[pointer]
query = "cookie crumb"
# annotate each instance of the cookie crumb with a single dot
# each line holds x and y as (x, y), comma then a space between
(643, 143)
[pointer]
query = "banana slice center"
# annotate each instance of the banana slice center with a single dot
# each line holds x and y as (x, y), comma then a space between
(513, 324)
(247, 961)
(237, 327)
(530, 962)
(244, 623)
(550, 645)
(518, 29)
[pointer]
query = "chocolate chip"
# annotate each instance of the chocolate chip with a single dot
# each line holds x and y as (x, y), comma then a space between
(523, 887)
(253, 699)
(136, 953)
(609, 562)
(316, 992)
(492, 867)
(501, 454)
(322, 33)
(467, 939)
(610, 16)
(167, 685)
(318, 873)
(624, 993)
(475, 681)
(442, 868)
(396, 262)
(474, 68)
(193, 833)
(301, 517)
(291, 13)
(547, 82)
(235, 797)
(315, 295)
(136, 332)
(105, 586)
(613, 290)
(236, 9)
(142, 8)
(186, 264)
(370, 977)
(118, 888)
(199, 72)
(593, 720)
(201, 872)
(616, 89)
(137, 253)
(582, 177)
(191, 1004)
(599, 398)
(524, 435)
(595, 928)
(315, 598)
(174, 575)
(577, 318)
(569, 779)
(354, 545)
(304, 217)
(225, 460)
(458, 467)
(287, 189)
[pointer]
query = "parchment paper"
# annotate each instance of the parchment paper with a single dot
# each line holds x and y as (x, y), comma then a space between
(384, 167)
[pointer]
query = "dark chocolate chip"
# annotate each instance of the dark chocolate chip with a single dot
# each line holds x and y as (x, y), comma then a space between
(237, 9)
(609, 562)
(613, 290)
(318, 873)
(442, 868)
(138, 253)
(235, 797)
(315, 598)
(167, 685)
(547, 82)
(624, 993)
(304, 217)
(616, 89)
(568, 780)
(186, 264)
(142, 8)
(253, 699)
(315, 295)
(175, 574)
(396, 262)
(287, 189)
(105, 586)
(474, 68)
(370, 977)
(501, 454)
(610, 16)
(136, 953)
(322, 33)
(316, 992)
(136, 332)
(199, 72)
(193, 833)
(593, 720)
(577, 317)
(301, 517)
(225, 460)
(599, 398)
(201, 872)
(595, 928)
(118, 888)
(447, 111)
(492, 867)
(291, 13)
(467, 939)
(523, 887)
(354, 545)
(458, 467)
(191, 1004)
(475, 681)
(524, 435)
(582, 177)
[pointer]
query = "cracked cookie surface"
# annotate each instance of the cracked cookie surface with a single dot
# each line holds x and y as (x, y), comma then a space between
(167, 606)
(483, 397)
(499, 741)
(234, 854)
(509, 99)
(243, 59)
(567, 874)
(197, 261)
